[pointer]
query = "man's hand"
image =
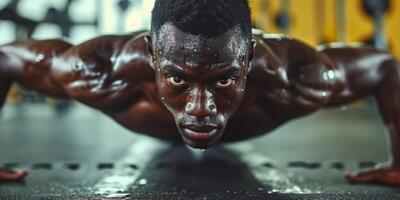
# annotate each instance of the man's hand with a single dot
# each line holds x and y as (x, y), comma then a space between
(389, 176)
(12, 176)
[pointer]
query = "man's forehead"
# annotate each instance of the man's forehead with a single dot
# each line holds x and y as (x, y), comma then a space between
(177, 46)
(169, 33)
(171, 63)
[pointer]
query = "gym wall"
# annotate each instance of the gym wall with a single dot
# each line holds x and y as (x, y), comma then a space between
(315, 21)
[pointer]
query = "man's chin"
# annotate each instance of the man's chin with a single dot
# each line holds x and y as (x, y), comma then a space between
(201, 140)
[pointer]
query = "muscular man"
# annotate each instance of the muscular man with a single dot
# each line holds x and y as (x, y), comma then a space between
(201, 75)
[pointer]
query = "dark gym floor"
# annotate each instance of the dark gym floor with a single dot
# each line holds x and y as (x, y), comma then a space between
(84, 155)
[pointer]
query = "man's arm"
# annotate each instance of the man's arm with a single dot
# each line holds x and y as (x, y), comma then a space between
(28, 64)
(368, 71)
(333, 76)
(340, 75)
(100, 73)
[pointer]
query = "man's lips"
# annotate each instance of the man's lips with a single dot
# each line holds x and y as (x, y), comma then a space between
(200, 133)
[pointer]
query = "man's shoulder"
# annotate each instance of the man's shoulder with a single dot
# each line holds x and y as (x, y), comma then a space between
(103, 67)
(107, 45)
(105, 52)
(106, 55)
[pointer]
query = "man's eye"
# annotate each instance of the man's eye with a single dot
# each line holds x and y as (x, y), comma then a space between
(225, 82)
(176, 81)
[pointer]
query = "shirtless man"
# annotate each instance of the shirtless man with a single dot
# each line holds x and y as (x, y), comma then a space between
(201, 75)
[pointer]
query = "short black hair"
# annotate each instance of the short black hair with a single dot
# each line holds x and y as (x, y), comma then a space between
(207, 18)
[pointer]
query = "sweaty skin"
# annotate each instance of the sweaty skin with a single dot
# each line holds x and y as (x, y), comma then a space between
(202, 90)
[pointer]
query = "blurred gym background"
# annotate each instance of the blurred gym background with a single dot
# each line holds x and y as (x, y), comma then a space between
(314, 21)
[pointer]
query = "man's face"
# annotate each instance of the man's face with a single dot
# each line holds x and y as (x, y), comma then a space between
(200, 81)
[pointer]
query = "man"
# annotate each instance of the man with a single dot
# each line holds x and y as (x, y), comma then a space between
(203, 76)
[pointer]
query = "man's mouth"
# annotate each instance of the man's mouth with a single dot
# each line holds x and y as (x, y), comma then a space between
(200, 135)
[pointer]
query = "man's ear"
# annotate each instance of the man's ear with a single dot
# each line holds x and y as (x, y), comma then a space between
(251, 54)
(149, 46)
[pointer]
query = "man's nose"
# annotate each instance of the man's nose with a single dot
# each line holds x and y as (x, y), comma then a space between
(201, 104)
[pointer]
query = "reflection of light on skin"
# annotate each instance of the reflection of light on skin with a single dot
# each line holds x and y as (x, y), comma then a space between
(124, 58)
(117, 83)
(39, 58)
(189, 107)
(211, 106)
(329, 75)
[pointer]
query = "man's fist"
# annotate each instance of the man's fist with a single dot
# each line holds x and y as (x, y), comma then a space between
(13, 176)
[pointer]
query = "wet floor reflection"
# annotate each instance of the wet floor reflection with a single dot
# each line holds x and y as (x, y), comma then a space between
(215, 170)
(218, 172)
(87, 144)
